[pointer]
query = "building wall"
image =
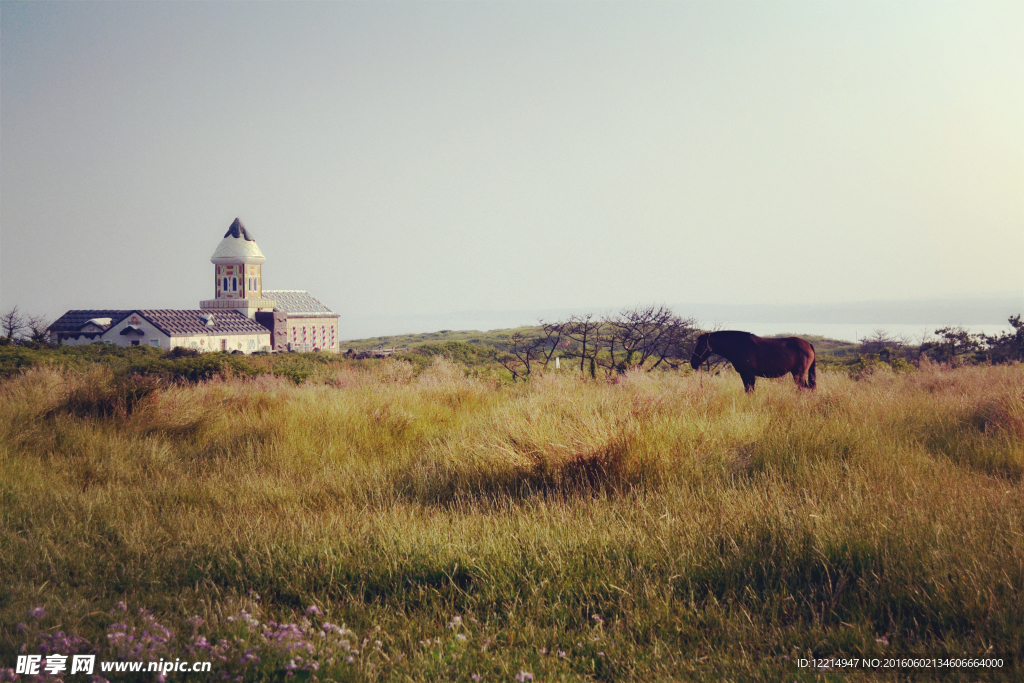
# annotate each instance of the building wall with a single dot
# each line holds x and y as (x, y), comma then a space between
(306, 334)
(78, 339)
(277, 323)
(246, 343)
(151, 335)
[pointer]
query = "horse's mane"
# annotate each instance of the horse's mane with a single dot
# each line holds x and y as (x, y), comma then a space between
(732, 335)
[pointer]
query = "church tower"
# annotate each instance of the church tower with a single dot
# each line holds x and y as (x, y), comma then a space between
(238, 276)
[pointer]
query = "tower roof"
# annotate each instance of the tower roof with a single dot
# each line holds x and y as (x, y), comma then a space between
(237, 247)
(238, 230)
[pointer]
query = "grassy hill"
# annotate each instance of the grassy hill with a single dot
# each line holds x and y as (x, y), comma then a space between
(489, 338)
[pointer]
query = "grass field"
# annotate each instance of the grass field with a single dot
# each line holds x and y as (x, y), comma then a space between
(383, 524)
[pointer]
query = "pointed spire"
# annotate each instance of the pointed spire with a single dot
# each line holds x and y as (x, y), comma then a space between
(238, 230)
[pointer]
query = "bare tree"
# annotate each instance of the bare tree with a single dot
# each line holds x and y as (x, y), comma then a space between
(641, 337)
(552, 334)
(586, 330)
(881, 342)
(38, 328)
(650, 333)
(520, 352)
(13, 322)
(676, 347)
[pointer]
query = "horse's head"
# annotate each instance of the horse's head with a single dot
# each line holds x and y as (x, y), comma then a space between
(700, 351)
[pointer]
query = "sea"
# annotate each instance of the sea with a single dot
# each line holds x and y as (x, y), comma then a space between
(913, 334)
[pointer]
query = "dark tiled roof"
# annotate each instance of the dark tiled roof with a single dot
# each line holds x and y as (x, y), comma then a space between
(72, 321)
(225, 321)
(238, 230)
(297, 302)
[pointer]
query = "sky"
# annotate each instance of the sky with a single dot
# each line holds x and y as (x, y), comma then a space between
(404, 159)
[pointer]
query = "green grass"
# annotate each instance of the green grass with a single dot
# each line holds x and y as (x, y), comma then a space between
(714, 535)
(492, 338)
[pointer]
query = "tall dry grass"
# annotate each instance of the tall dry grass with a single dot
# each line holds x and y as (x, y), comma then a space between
(713, 534)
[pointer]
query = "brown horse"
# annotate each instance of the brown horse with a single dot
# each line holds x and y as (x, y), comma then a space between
(753, 356)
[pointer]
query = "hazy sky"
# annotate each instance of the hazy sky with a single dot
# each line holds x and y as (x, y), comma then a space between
(403, 158)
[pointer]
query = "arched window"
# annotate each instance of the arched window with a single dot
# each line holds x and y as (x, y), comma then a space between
(234, 284)
(225, 284)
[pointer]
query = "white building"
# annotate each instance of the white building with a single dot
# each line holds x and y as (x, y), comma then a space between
(240, 318)
(200, 330)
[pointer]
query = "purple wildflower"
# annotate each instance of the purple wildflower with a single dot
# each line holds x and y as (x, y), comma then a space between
(61, 643)
(37, 613)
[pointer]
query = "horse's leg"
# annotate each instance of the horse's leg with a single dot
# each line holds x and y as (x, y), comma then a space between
(800, 378)
(807, 375)
(748, 382)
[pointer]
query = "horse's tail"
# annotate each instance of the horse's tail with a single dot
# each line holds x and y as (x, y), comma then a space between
(812, 380)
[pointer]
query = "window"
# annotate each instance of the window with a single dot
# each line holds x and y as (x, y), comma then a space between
(154, 342)
(234, 284)
(194, 345)
(252, 344)
(225, 284)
